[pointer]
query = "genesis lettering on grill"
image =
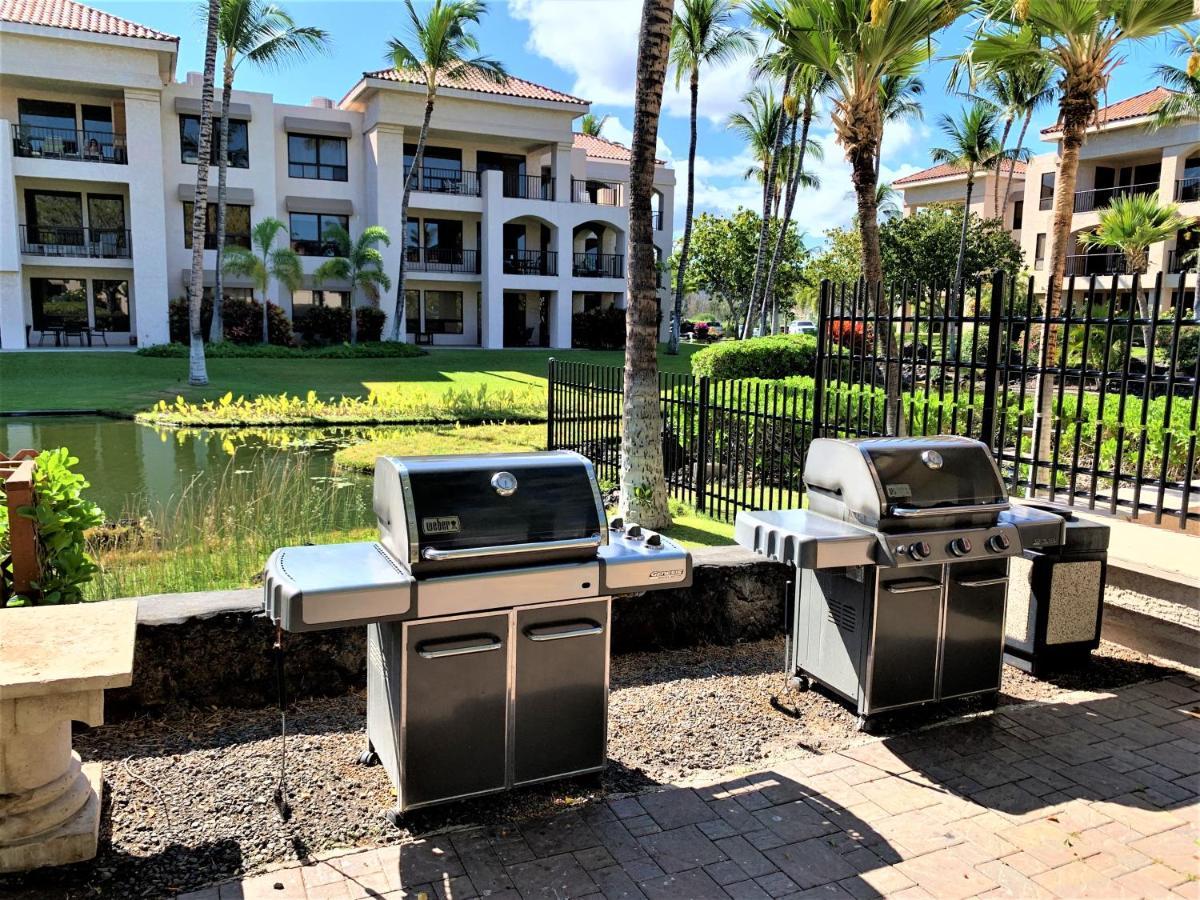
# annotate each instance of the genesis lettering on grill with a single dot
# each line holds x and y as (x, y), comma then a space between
(666, 573)
(440, 525)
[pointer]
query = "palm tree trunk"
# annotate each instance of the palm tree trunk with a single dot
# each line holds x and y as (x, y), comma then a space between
(677, 312)
(266, 335)
(216, 329)
(955, 294)
(197, 370)
(643, 485)
(997, 209)
(1020, 144)
(353, 312)
(398, 322)
(793, 188)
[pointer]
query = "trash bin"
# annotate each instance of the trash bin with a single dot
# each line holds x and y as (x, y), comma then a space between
(1056, 599)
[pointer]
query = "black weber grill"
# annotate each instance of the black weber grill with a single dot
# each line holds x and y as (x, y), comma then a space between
(903, 556)
(487, 604)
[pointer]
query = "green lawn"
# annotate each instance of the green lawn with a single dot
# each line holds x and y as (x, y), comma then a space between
(126, 383)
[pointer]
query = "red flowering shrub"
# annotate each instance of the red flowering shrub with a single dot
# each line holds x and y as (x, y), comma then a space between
(854, 336)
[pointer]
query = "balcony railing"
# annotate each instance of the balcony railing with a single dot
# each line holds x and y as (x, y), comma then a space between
(601, 193)
(65, 143)
(1187, 189)
(96, 243)
(531, 262)
(442, 259)
(1098, 198)
(232, 239)
(314, 248)
(1186, 259)
(656, 220)
(599, 265)
(433, 180)
(529, 187)
(1097, 264)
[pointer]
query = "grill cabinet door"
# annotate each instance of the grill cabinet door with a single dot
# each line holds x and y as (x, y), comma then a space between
(561, 695)
(974, 640)
(908, 605)
(455, 708)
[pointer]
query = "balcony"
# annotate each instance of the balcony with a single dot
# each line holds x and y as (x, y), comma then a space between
(600, 193)
(1097, 264)
(442, 259)
(1187, 190)
(447, 181)
(599, 265)
(62, 143)
(656, 220)
(1183, 260)
(94, 243)
(528, 187)
(530, 262)
(1098, 198)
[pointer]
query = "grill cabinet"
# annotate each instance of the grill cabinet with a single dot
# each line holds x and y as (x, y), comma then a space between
(487, 602)
(903, 556)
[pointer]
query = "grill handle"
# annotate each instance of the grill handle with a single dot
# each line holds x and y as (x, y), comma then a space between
(912, 586)
(918, 512)
(434, 554)
(980, 582)
(561, 630)
(463, 646)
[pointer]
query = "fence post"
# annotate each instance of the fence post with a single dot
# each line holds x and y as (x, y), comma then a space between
(550, 373)
(22, 532)
(818, 405)
(702, 447)
(991, 363)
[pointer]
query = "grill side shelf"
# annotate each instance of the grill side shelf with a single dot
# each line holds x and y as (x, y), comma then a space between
(804, 540)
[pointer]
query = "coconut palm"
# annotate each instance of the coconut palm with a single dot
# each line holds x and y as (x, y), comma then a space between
(643, 485)
(1184, 103)
(358, 263)
(1131, 224)
(702, 33)
(887, 202)
(592, 124)
(265, 262)
(264, 35)
(898, 101)
(438, 48)
(197, 370)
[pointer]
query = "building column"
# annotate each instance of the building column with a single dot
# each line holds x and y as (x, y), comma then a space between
(1174, 162)
(560, 316)
(492, 261)
(12, 302)
(561, 156)
(147, 215)
(384, 149)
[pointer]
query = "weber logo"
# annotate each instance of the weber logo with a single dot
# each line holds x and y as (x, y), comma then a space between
(667, 573)
(899, 491)
(440, 525)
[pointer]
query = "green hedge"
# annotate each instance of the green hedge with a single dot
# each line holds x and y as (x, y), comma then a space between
(227, 350)
(774, 356)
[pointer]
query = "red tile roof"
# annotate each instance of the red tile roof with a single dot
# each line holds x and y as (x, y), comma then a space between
(76, 17)
(477, 81)
(603, 148)
(945, 170)
(1129, 108)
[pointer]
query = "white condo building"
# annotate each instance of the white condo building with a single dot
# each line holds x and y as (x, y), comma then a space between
(516, 222)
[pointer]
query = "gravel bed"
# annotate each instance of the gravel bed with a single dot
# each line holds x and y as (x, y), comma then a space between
(188, 798)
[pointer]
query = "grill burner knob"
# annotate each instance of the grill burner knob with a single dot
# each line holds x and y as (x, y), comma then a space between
(998, 543)
(654, 539)
(920, 550)
(634, 531)
(960, 546)
(617, 524)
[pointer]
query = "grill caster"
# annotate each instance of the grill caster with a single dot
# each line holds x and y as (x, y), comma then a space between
(368, 758)
(395, 817)
(867, 725)
(801, 683)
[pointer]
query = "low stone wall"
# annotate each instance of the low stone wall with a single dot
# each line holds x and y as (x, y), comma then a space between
(214, 648)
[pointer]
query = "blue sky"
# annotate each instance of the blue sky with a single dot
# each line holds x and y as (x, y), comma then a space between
(588, 48)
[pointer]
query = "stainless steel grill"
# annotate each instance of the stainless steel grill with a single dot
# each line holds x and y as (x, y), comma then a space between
(903, 556)
(487, 602)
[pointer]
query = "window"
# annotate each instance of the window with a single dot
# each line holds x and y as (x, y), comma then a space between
(237, 226)
(437, 160)
(1039, 252)
(323, 158)
(54, 218)
(239, 141)
(49, 115)
(1018, 214)
(308, 233)
(444, 312)
(304, 301)
(412, 311)
(110, 305)
(231, 293)
(1046, 200)
(58, 301)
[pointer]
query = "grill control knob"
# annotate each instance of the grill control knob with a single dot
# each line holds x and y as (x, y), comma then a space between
(634, 531)
(920, 550)
(654, 539)
(998, 543)
(960, 546)
(617, 524)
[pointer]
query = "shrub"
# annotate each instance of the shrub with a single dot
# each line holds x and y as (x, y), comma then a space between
(849, 334)
(242, 321)
(370, 323)
(177, 319)
(774, 356)
(599, 329)
(331, 324)
(226, 350)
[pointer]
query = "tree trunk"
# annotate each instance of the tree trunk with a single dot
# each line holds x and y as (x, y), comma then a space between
(793, 188)
(398, 323)
(1138, 261)
(862, 166)
(354, 312)
(1020, 144)
(997, 209)
(643, 485)
(197, 370)
(266, 325)
(955, 294)
(216, 331)
(677, 311)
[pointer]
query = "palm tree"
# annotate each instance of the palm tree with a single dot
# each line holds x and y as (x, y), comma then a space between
(265, 35)
(438, 49)
(1131, 224)
(269, 262)
(898, 101)
(358, 263)
(592, 124)
(887, 202)
(197, 370)
(1031, 91)
(643, 485)
(1184, 103)
(701, 34)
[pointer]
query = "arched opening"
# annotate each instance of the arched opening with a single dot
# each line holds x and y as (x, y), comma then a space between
(528, 243)
(598, 251)
(656, 210)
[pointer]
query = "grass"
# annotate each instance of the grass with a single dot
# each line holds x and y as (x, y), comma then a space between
(438, 440)
(125, 383)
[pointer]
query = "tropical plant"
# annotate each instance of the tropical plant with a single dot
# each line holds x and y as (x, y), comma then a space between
(592, 124)
(197, 371)
(358, 263)
(1131, 224)
(898, 100)
(643, 484)
(263, 34)
(1184, 102)
(887, 202)
(265, 262)
(438, 49)
(701, 33)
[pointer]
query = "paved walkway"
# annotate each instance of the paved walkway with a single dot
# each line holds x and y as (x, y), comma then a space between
(1094, 795)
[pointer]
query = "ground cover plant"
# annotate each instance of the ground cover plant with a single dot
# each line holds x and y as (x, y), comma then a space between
(491, 438)
(230, 350)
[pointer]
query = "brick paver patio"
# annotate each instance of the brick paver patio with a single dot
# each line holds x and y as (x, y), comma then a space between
(1095, 795)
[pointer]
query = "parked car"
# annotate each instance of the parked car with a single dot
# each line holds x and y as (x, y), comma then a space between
(802, 326)
(715, 330)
